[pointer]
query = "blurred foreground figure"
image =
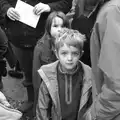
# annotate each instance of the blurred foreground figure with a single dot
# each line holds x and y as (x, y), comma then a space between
(105, 59)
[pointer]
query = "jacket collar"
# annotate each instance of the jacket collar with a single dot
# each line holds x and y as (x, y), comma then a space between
(49, 76)
(87, 84)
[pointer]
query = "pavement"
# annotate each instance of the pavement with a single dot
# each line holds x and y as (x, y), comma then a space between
(13, 88)
(15, 92)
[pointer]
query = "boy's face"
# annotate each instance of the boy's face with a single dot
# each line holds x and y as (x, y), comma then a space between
(69, 57)
(57, 24)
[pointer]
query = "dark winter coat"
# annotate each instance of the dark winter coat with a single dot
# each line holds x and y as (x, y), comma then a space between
(83, 21)
(22, 35)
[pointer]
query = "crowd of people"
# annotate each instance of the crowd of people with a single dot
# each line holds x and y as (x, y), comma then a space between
(70, 61)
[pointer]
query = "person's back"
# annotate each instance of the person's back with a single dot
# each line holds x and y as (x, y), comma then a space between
(66, 84)
(105, 61)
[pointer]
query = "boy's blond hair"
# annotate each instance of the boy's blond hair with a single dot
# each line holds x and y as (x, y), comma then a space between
(70, 37)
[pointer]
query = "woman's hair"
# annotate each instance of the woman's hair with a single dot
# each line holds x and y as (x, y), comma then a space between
(50, 20)
(70, 37)
(47, 34)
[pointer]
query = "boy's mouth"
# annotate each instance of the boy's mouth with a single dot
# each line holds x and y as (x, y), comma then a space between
(69, 63)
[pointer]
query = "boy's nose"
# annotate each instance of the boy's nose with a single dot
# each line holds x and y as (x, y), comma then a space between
(70, 57)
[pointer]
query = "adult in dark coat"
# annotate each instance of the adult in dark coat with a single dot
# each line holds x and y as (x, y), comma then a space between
(24, 37)
(83, 20)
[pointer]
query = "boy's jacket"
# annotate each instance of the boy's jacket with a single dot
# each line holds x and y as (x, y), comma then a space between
(50, 86)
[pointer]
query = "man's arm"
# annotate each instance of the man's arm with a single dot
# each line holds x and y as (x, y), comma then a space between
(7, 10)
(61, 5)
(4, 6)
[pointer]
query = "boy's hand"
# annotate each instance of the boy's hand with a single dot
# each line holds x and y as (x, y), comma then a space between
(13, 14)
(40, 8)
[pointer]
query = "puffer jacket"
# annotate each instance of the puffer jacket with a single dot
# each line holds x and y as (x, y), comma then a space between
(49, 92)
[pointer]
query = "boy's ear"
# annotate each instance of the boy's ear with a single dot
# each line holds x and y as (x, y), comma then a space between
(82, 52)
(56, 54)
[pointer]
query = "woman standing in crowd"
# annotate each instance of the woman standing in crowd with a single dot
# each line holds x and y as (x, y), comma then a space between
(44, 52)
(24, 38)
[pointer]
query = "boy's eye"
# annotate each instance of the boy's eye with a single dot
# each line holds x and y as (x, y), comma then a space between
(75, 53)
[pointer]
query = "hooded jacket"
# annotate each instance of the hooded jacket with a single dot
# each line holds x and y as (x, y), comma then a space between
(49, 92)
(105, 59)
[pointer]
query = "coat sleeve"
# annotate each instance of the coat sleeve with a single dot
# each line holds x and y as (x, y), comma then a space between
(61, 5)
(43, 103)
(95, 53)
(4, 6)
(36, 66)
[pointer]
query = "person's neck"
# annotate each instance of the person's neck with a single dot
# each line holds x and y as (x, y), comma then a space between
(72, 71)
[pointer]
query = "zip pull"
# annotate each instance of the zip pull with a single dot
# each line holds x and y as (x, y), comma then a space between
(68, 90)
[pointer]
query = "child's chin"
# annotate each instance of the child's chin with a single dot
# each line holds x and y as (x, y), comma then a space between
(70, 69)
